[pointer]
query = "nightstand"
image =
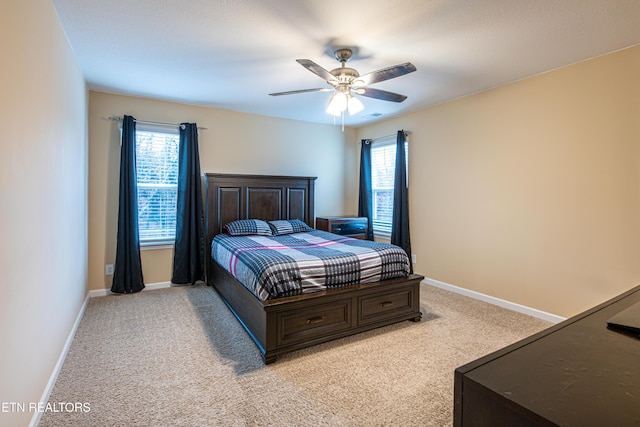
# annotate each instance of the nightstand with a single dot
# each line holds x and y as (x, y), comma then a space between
(351, 226)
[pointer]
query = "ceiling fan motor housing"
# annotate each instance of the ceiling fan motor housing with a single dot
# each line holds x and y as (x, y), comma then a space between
(345, 74)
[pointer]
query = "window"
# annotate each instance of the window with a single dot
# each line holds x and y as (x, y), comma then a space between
(157, 174)
(383, 168)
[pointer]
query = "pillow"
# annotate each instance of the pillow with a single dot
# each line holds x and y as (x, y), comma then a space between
(248, 227)
(288, 226)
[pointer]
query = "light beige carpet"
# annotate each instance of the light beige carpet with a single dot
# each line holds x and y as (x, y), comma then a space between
(177, 357)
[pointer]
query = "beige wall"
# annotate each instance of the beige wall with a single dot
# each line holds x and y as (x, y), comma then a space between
(530, 192)
(233, 143)
(43, 184)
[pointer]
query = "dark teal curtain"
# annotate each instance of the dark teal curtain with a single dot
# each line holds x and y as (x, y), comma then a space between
(400, 223)
(127, 275)
(188, 257)
(365, 206)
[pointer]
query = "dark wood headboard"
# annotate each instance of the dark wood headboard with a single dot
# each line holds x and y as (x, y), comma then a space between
(267, 197)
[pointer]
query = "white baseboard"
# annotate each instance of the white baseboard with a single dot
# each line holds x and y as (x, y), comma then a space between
(496, 301)
(147, 287)
(35, 420)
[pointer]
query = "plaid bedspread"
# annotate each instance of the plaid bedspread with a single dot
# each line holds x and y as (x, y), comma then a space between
(276, 266)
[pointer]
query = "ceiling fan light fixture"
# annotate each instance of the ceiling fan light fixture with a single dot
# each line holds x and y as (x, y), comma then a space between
(354, 105)
(337, 104)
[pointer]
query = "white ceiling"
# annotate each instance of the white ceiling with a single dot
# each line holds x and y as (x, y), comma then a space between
(231, 54)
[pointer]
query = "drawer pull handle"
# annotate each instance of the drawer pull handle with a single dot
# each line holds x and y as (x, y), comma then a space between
(315, 320)
(386, 303)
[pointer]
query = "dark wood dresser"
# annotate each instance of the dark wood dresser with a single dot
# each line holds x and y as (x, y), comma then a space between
(351, 226)
(576, 373)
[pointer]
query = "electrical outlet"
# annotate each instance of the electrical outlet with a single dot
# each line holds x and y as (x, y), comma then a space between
(413, 258)
(108, 269)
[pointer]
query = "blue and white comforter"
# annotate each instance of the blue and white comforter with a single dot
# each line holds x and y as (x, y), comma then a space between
(276, 266)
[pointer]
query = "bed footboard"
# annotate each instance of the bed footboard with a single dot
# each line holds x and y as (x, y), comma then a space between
(287, 324)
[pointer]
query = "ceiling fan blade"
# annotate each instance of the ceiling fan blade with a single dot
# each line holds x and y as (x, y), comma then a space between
(293, 92)
(385, 74)
(380, 94)
(317, 70)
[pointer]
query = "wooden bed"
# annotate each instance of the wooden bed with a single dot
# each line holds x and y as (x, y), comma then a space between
(287, 324)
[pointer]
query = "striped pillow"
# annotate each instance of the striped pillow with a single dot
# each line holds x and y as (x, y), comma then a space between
(248, 227)
(288, 226)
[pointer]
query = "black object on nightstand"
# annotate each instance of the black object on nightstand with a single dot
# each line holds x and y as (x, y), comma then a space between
(351, 226)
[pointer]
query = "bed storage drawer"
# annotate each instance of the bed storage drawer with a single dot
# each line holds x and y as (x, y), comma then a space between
(304, 324)
(382, 306)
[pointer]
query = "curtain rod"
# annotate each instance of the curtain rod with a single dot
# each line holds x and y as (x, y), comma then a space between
(388, 136)
(145, 122)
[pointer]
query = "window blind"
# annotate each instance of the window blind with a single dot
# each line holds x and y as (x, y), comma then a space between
(383, 158)
(157, 180)
(383, 166)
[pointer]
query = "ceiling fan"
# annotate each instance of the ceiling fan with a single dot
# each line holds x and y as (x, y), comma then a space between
(347, 82)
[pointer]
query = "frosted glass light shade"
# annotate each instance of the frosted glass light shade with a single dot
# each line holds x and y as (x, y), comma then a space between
(337, 104)
(355, 106)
